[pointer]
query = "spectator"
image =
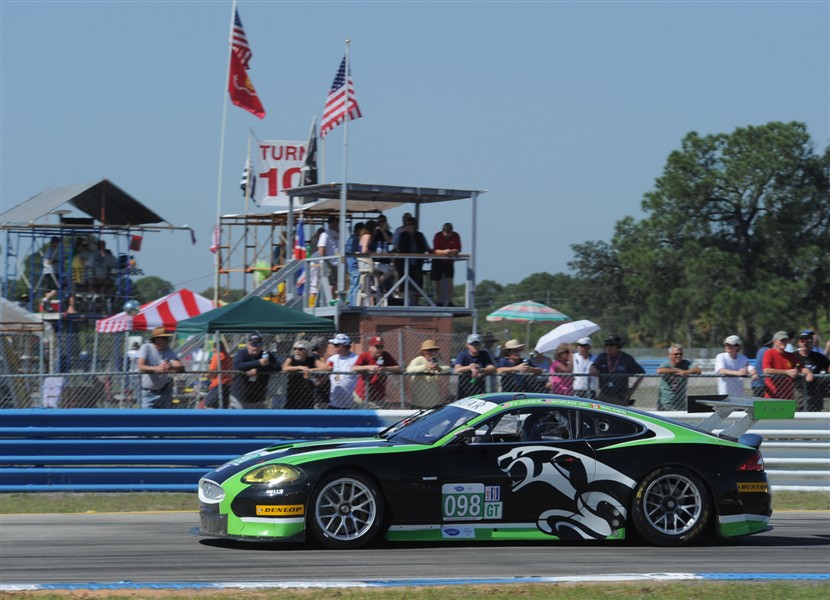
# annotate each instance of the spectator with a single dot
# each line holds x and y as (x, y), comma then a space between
(471, 366)
(250, 385)
(585, 386)
(758, 381)
(381, 243)
(514, 369)
(80, 266)
(300, 387)
(817, 363)
(353, 247)
(427, 381)
(445, 243)
(219, 390)
(104, 266)
(411, 241)
(733, 365)
(328, 244)
(539, 383)
(782, 369)
(342, 378)
(396, 235)
(156, 360)
(614, 367)
(51, 271)
(373, 365)
(673, 384)
(320, 351)
(561, 370)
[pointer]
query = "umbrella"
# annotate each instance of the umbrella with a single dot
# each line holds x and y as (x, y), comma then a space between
(565, 334)
(527, 312)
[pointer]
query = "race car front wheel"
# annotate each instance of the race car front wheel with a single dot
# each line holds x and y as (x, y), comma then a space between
(671, 507)
(347, 511)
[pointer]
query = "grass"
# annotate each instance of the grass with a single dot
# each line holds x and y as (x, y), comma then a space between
(561, 591)
(50, 502)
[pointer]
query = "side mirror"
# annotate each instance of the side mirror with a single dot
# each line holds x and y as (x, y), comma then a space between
(465, 436)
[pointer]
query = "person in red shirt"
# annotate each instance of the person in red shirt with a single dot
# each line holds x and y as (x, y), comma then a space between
(373, 365)
(220, 361)
(783, 369)
(445, 243)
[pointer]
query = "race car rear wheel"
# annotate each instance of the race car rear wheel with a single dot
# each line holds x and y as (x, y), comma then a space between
(347, 511)
(672, 507)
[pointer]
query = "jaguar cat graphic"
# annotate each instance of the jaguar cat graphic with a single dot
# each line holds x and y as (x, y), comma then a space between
(589, 512)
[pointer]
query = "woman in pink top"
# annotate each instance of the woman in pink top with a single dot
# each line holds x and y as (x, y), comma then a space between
(562, 367)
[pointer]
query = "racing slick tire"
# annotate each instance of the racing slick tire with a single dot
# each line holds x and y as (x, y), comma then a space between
(346, 511)
(672, 507)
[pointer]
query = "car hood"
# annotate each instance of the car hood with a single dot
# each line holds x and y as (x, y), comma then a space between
(298, 453)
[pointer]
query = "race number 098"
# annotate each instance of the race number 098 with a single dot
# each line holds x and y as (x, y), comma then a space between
(463, 501)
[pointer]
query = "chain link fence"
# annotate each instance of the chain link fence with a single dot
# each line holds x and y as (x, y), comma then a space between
(88, 370)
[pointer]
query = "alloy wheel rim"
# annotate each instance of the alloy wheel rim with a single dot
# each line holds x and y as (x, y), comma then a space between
(673, 504)
(345, 509)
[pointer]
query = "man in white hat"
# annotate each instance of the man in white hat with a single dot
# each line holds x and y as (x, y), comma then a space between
(514, 368)
(427, 379)
(342, 379)
(585, 386)
(734, 366)
(156, 361)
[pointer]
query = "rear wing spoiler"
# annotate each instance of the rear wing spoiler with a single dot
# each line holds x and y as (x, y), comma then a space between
(721, 407)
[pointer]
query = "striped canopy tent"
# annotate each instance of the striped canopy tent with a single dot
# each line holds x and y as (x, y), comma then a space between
(527, 312)
(165, 312)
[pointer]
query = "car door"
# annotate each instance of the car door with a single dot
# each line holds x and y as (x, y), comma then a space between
(523, 466)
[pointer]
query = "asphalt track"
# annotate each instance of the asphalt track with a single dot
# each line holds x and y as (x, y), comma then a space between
(157, 548)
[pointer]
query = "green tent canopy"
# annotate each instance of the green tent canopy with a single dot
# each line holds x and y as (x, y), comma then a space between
(254, 314)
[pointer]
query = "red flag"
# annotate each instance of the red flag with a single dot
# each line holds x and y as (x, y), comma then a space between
(242, 90)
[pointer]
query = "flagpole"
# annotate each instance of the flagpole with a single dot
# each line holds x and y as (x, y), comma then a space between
(218, 261)
(341, 263)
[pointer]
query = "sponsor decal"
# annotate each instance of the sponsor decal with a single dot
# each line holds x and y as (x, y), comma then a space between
(467, 533)
(492, 493)
(479, 406)
(470, 502)
(280, 510)
(753, 487)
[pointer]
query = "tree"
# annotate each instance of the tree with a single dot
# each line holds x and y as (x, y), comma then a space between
(737, 240)
(151, 288)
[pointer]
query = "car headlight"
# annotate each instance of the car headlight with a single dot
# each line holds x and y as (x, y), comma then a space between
(272, 475)
(210, 492)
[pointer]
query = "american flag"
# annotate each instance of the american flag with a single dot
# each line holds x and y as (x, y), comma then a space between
(335, 111)
(300, 253)
(239, 43)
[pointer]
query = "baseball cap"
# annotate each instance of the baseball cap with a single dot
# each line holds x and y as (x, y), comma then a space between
(341, 339)
(807, 333)
(586, 341)
(613, 340)
(376, 340)
(473, 338)
(780, 335)
(732, 340)
(255, 339)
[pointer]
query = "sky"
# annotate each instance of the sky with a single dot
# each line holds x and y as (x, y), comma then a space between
(564, 112)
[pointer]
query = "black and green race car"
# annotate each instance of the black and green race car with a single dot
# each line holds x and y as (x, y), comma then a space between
(506, 467)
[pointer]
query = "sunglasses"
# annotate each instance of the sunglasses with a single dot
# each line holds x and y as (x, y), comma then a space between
(379, 346)
(299, 348)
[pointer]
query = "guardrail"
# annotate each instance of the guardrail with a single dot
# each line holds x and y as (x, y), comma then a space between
(151, 450)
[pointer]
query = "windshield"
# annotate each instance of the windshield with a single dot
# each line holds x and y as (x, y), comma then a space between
(427, 427)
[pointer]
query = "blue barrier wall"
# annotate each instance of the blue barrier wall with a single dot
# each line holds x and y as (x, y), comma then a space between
(152, 450)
